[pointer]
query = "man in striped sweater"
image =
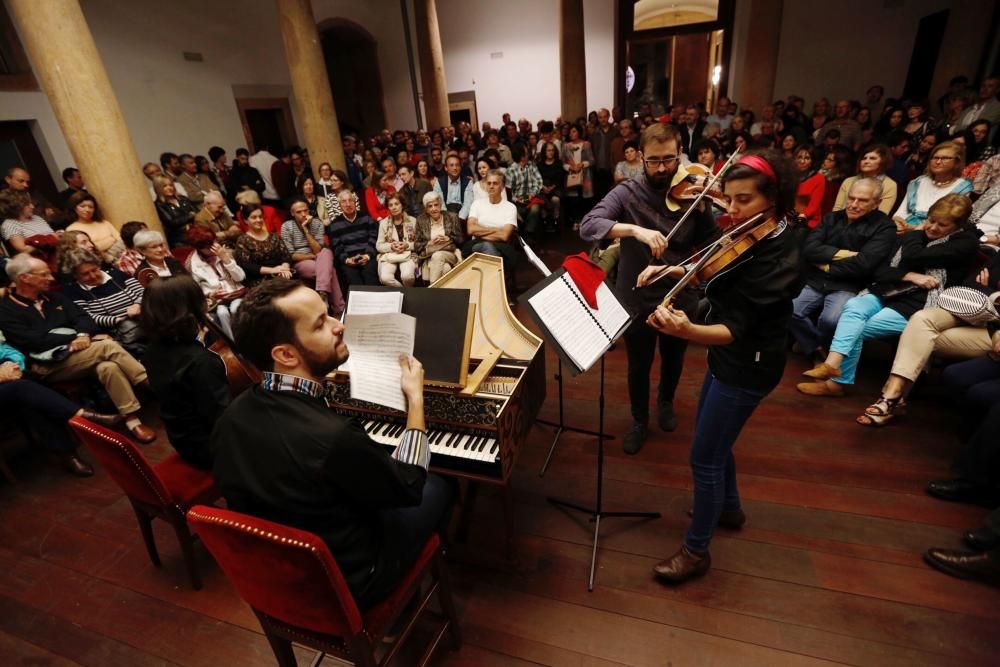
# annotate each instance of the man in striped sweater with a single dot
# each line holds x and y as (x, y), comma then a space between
(352, 238)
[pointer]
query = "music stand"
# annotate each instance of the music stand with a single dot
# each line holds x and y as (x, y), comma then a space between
(597, 512)
(559, 426)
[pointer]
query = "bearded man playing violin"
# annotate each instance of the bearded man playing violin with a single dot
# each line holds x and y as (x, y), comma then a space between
(640, 213)
(750, 299)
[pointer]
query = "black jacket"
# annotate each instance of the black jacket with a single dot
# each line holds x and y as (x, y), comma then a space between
(955, 256)
(753, 299)
(191, 384)
(690, 137)
(872, 236)
(176, 218)
(29, 331)
(287, 457)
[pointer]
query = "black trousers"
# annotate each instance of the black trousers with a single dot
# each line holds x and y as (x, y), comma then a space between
(359, 275)
(641, 342)
(405, 530)
(979, 458)
(45, 410)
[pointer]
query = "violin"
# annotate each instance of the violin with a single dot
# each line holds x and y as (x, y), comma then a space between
(707, 186)
(687, 191)
(722, 254)
(240, 373)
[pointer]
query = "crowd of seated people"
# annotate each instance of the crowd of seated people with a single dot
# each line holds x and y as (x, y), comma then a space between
(897, 201)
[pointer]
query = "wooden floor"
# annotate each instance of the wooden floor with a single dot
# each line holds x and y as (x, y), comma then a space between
(827, 570)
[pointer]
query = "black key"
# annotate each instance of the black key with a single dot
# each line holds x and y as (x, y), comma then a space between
(379, 428)
(493, 449)
(482, 445)
(451, 439)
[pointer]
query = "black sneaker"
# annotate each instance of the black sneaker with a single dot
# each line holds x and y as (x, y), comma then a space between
(636, 438)
(667, 418)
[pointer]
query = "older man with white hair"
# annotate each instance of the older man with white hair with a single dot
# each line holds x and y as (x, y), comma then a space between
(841, 255)
(215, 216)
(64, 343)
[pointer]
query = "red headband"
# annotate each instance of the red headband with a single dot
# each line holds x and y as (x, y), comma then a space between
(758, 163)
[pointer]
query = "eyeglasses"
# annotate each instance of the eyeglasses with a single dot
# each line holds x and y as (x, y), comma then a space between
(943, 158)
(666, 161)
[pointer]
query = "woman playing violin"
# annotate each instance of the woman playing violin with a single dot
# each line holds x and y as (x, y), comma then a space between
(745, 329)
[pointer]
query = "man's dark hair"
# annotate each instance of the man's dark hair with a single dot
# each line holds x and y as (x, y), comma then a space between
(710, 144)
(634, 144)
(130, 229)
(165, 159)
(832, 133)
(185, 156)
(297, 200)
(68, 172)
(239, 152)
(518, 151)
(896, 137)
(955, 80)
(546, 126)
(215, 152)
(173, 309)
(259, 324)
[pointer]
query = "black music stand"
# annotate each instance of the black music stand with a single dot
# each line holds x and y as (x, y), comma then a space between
(597, 512)
(561, 426)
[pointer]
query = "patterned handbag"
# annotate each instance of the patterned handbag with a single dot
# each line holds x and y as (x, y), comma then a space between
(970, 305)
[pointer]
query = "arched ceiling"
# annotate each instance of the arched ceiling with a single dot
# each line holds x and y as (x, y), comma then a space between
(651, 14)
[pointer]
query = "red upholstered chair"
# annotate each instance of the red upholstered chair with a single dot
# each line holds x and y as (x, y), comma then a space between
(292, 582)
(165, 490)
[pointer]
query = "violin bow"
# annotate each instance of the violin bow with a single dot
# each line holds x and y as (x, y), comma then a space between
(704, 191)
(707, 251)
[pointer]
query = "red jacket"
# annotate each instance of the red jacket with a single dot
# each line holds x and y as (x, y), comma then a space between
(376, 210)
(809, 198)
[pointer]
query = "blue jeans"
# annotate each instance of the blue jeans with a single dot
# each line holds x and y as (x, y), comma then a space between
(809, 329)
(864, 318)
(722, 411)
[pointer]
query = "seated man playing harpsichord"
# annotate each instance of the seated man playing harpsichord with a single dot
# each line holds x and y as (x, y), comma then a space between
(283, 455)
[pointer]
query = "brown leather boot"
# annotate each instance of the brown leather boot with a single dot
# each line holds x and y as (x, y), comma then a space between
(683, 565)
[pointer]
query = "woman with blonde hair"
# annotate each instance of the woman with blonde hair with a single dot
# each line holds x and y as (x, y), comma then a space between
(942, 177)
(176, 211)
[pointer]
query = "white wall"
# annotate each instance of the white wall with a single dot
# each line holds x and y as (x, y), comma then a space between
(525, 81)
(172, 104)
(839, 49)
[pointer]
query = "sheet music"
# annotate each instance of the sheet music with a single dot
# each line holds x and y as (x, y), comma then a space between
(363, 302)
(582, 332)
(375, 343)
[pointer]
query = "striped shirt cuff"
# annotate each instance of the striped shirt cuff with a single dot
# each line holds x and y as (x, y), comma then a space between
(414, 449)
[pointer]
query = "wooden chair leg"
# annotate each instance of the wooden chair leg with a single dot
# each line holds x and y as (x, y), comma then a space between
(465, 515)
(440, 570)
(282, 649)
(146, 528)
(187, 548)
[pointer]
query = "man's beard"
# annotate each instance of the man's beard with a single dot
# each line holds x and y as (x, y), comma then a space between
(321, 365)
(660, 181)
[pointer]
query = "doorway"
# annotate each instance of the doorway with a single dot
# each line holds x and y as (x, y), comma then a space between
(462, 107)
(352, 65)
(267, 123)
(18, 148)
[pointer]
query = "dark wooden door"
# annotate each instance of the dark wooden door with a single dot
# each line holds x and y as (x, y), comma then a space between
(19, 149)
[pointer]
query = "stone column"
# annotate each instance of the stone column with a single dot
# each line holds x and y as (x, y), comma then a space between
(431, 57)
(572, 60)
(310, 83)
(77, 86)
